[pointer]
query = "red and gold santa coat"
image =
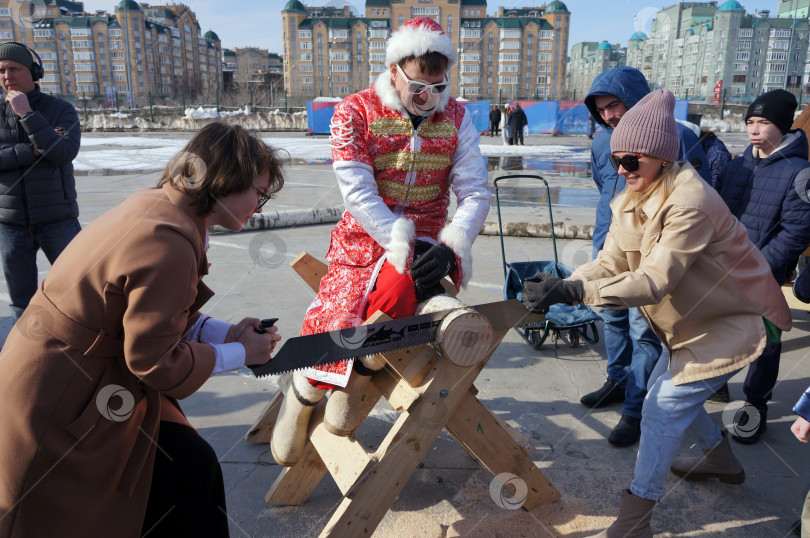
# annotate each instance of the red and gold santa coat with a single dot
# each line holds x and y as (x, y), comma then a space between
(396, 185)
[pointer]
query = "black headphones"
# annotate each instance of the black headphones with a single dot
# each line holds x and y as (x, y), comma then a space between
(37, 71)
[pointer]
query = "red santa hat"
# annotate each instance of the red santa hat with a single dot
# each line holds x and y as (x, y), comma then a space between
(418, 37)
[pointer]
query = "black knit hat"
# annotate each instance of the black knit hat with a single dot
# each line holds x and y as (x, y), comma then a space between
(777, 106)
(16, 53)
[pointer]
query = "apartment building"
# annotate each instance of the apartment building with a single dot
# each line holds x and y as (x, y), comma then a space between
(515, 53)
(587, 60)
(695, 47)
(123, 57)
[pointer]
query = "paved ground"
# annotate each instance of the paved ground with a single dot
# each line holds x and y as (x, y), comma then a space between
(535, 391)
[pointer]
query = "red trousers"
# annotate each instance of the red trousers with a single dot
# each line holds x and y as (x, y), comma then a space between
(394, 294)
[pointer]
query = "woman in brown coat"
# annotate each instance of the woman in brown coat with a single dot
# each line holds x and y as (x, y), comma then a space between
(92, 439)
(675, 251)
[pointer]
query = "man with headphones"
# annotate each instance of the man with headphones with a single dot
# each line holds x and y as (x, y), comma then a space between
(39, 138)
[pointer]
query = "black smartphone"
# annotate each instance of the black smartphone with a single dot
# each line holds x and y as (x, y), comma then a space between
(266, 324)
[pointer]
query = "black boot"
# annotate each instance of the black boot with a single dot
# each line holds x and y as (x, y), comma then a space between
(750, 422)
(626, 433)
(610, 393)
(721, 396)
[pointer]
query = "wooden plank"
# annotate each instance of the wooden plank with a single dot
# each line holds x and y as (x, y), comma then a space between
(262, 429)
(484, 435)
(295, 484)
(309, 268)
(344, 457)
(401, 451)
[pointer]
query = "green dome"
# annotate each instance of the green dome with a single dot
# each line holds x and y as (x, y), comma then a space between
(294, 5)
(210, 35)
(128, 5)
(556, 5)
(604, 45)
(640, 36)
(731, 5)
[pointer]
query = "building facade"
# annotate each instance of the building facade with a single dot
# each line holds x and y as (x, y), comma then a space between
(517, 53)
(587, 60)
(697, 48)
(122, 57)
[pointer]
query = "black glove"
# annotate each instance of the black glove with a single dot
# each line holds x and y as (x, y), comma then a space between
(431, 267)
(543, 290)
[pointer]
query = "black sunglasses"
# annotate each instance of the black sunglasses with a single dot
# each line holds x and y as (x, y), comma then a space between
(263, 197)
(629, 161)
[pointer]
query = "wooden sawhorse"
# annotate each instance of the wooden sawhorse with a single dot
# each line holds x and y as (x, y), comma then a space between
(432, 394)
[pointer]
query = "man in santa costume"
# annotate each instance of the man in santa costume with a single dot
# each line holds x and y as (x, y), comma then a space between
(398, 150)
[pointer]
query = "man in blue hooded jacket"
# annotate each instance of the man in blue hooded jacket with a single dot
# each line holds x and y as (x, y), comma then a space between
(632, 348)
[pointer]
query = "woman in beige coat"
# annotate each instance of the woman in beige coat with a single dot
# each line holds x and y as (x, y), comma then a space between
(92, 439)
(675, 251)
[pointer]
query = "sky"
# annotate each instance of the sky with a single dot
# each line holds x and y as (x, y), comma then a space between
(257, 23)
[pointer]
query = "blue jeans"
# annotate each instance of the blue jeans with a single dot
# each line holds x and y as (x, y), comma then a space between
(632, 351)
(18, 254)
(669, 410)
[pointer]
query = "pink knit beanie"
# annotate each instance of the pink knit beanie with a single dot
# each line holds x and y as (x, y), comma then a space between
(649, 127)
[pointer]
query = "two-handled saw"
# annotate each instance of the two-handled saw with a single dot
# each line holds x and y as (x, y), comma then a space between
(384, 336)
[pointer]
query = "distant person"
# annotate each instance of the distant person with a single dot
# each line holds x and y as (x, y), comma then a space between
(760, 190)
(631, 346)
(517, 121)
(507, 132)
(40, 137)
(494, 121)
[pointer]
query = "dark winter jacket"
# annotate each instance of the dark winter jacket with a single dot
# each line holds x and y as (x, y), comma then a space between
(718, 154)
(517, 119)
(37, 190)
(629, 85)
(495, 116)
(769, 197)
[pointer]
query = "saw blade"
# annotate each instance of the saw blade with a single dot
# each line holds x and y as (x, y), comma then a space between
(335, 346)
(395, 334)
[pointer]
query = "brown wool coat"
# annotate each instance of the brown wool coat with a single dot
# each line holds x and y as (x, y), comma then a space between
(111, 312)
(699, 281)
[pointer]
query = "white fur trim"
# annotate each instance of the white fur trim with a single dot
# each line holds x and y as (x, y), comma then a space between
(456, 238)
(385, 90)
(402, 237)
(409, 41)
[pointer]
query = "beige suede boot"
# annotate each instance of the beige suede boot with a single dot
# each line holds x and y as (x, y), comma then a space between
(290, 432)
(343, 408)
(719, 462)
(634, 518)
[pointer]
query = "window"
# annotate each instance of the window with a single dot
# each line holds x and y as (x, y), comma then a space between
(421, 11)
(81, 88)
(305, 68)
(741, 45)
(470, 34)
(742, 56)
(542, 80)
(338, 34)
(746, 32)
(509, 68)
(517, 45)
(82, 44)
(84, 67)
(86, 78)
(340, 68)
(510, 34)
(305, 45)
(508, 80)
(546, 34)
(508, 57)
(306, 79)
(50, 78)
(305, 57)
(84, 56)
(339, 56)
(376, 45)
(43, 33)
(471, 68)
(119, 67)
(545, 57)
(377, 57)
(470, 80)
(778, 56)
(80, 32)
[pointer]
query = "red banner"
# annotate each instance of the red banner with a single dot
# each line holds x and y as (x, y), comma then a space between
(717, 89)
